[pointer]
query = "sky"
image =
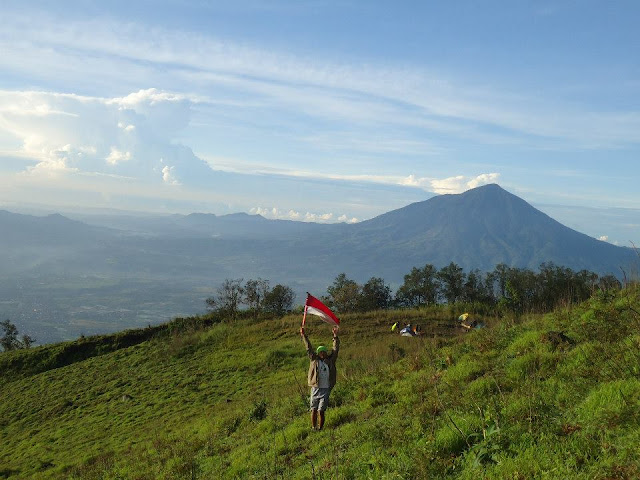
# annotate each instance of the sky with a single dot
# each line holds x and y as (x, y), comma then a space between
(328, 111)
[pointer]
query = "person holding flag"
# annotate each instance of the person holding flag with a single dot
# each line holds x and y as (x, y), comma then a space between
(322, 369)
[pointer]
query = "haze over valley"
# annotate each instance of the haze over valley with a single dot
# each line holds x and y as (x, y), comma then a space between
(63, 278)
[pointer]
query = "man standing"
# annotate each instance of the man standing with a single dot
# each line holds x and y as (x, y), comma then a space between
(322, 376)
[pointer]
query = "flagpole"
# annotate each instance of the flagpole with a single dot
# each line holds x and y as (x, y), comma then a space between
(304, 317)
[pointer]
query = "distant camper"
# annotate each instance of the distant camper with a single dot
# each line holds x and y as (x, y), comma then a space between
(469, 323)
(411, 330)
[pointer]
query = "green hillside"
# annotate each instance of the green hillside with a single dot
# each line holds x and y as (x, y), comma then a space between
(196, 400)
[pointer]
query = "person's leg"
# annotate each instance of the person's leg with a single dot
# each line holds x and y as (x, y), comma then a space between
(314, 418)
(322, 405)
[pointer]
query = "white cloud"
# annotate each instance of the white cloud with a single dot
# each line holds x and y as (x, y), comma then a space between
(293, 215)
(461, 183)
(455, 184)
(116, 156)
(168, 175)
(275, 213)
(126, 128)
(449, 185)
(413, 181)
(603, 238)
(483, 179)
(127, 136)
(99, 50)
(344, 218)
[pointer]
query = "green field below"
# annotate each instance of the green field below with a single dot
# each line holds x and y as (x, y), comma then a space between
(192, 399)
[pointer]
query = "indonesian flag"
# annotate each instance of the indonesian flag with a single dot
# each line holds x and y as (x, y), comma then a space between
(316, 307)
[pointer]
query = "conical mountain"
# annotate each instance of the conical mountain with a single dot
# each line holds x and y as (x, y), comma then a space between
(479, 229)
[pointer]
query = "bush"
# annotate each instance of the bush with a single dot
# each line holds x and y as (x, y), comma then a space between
(258, 411)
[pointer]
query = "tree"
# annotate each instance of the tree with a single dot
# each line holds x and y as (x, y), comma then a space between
(500, 274)
(586, 284)
(344, 294)
(609, 282)
(452, 278)
(255, 292)
(561, 285)
(475, 288)
(521, 290)
(279, 300)
(375, 295)
(9, 339)
(27, 341)
(228, 299)
(421, 287)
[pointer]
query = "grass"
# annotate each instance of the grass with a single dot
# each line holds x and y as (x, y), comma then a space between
(195, 400)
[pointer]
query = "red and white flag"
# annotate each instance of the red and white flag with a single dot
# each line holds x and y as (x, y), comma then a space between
(316, 307)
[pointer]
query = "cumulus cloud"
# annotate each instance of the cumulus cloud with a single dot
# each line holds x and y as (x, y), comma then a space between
(275, 213)
(603, 238)
(483, 179)
(116, 156)
(345, 219)
(168, 175)
(413, 181)
(127, 136)
(461, 183)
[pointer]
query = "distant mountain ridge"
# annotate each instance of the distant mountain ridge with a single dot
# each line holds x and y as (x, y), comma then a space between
(476, 229)
(21, 230)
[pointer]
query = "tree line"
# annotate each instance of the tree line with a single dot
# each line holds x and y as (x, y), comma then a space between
(516, 289)
(257, 295)
(513, 289)
(519, 290)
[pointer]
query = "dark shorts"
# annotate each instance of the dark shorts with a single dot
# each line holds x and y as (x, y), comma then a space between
(319, 398)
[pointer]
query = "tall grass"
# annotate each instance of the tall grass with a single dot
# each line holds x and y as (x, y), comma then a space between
(515, 400)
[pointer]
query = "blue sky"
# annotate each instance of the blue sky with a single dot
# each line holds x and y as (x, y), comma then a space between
(322, 110)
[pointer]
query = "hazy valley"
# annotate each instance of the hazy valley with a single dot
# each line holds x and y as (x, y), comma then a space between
(62, 278)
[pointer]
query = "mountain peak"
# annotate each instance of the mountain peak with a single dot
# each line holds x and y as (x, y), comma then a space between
(492, 189)
(482, 227)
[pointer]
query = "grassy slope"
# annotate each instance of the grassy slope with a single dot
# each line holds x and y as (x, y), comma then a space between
(502, 402)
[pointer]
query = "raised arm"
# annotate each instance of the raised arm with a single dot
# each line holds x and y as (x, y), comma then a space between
(307, 344)
(336, 343)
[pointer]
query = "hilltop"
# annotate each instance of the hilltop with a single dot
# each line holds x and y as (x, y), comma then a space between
(528, 397)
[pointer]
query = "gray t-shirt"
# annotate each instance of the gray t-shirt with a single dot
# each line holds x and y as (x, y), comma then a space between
(323, 374)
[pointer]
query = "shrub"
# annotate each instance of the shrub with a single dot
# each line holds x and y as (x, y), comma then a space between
(258, 411)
